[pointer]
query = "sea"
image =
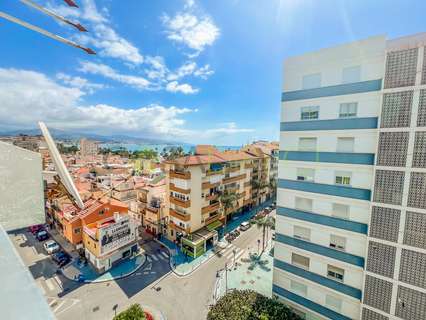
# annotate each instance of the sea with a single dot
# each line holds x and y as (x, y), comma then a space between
(187, 148)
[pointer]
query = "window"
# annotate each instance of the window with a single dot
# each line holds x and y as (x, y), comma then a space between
(333, 302)
(337, 242)
(309, 113)
(298, 288)
(351, 74)
(307, 144)
(311, 81)
(305, 174)
(303, 204)
(300, 261)
(340, 211)
(77, 230)
(302, 233)
(348, 110)
(335, 273)
(101, 212)
(343, 178)
(345, 144)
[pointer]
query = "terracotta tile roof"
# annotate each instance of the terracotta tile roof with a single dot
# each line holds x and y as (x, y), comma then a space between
(206, 149)
(197, 160)
(234, 155)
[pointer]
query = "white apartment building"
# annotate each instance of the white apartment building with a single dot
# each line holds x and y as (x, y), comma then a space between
(350, 233)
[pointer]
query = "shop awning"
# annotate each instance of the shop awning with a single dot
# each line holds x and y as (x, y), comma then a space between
(214, 225)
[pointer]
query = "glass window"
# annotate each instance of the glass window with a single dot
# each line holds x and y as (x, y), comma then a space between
(311, 81)
(303, 204)
(337, 242)
(345, 144)
(309, 113)
(298, 288)
(305, 174)
(299, 260)
(340, 211)
(351, 74)
(348, 110)
(343, 178)
(302, 233)
(333, 302)
(307, 144)
(335, 273)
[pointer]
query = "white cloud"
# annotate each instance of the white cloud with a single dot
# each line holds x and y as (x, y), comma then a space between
(204, 72)
(101, 35)
(195, 32)
(101, 69)
(190, 68)
(185, 88)
(157, 69)
(189, 4)
(228, 128)
(78, 82)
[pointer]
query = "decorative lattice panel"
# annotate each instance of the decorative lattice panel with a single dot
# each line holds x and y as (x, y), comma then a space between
(396, 109)
(401, 68)
(384, 223)
(415, 229)
(424, 66)
(368, 314)
(388, 186)
(421, 116)
(411, 304)
(417, 193)
(413, 268)
(419, 152)
(392, 149)
(377, 293)
(381, 259)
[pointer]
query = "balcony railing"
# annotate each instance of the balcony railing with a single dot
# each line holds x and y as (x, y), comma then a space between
(214, 172)
(249, 166)
(210, 208)
(233, 169)
(247, 184)
(179, 228)
(186, 175)
(209, 185)
(180, 190)
(212, 219)
(180, 216)
(179, 202)
(234, 179)
(211, 197)
(152, 209)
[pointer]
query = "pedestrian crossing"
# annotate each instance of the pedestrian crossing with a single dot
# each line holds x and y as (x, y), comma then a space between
(229, 252)
(61, 305)
(158, 256)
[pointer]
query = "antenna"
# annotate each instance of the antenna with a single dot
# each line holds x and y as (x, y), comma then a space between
(62, 171)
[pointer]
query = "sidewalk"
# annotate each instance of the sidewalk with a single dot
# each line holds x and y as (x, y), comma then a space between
(68, 247)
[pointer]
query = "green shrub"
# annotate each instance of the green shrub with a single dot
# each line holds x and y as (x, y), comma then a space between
(134, 312)
(249, 305)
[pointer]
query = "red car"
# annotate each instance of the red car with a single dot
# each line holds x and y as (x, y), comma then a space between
(36, 228)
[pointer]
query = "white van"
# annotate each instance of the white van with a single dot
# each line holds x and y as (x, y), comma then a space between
(245, 225)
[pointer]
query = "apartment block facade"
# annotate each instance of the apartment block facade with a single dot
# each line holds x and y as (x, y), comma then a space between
(351, 182)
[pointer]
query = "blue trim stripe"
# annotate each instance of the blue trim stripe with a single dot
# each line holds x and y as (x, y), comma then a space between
(328, 313)
(332, 124)
(330, 189)
(329, 91)
(324, 281)
(324, 251)
(333, 157)
(323, 220)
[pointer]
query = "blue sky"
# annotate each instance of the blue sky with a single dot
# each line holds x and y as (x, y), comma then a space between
(196, 71)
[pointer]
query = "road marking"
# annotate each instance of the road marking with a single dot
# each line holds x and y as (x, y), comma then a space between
(59, 306)
(49, 284)
(160, 256)
(24, 238)
(155, 258)
(146, 272)
(164, 254)
(58, 281)
(239, 255)
(74, 302)
(153, 272)
(35, 251)
(149, 259)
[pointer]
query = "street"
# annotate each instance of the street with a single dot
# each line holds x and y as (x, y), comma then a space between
(154, 285)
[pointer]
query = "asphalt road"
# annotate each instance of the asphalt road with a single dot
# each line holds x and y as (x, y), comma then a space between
(153, 285)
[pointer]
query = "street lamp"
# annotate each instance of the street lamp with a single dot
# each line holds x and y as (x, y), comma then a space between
(258, 245)
(234, 252)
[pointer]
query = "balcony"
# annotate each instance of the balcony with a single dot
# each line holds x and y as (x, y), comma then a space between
(180, 190)
(247, 184)
(178, 215)
(249, 166)
(186, 175)
(152, 209)
(241, 195)
(233, 169)
(212, 196)
(212, 219)
(247, 202)
(179, 228)
(208, 185)
(180, 203)
(234, 179)
(213, 172)
(210, 208)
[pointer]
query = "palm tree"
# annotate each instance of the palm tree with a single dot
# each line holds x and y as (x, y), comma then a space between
(265, 223)
(227, 200)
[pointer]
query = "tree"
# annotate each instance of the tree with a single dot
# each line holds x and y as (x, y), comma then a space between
(265, 223)
(227, 200)
(134, 312)
(249, 305)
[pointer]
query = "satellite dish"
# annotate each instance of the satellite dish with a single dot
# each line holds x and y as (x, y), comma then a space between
(60, 166)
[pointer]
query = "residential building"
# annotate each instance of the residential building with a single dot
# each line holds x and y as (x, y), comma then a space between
(88, 147)
(110, 240)
(351, 209)
(152, 200)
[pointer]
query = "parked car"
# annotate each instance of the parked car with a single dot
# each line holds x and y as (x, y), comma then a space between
(61, 258)
(51, 246)
(42, 235)
(245, 226)
(36, 228)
